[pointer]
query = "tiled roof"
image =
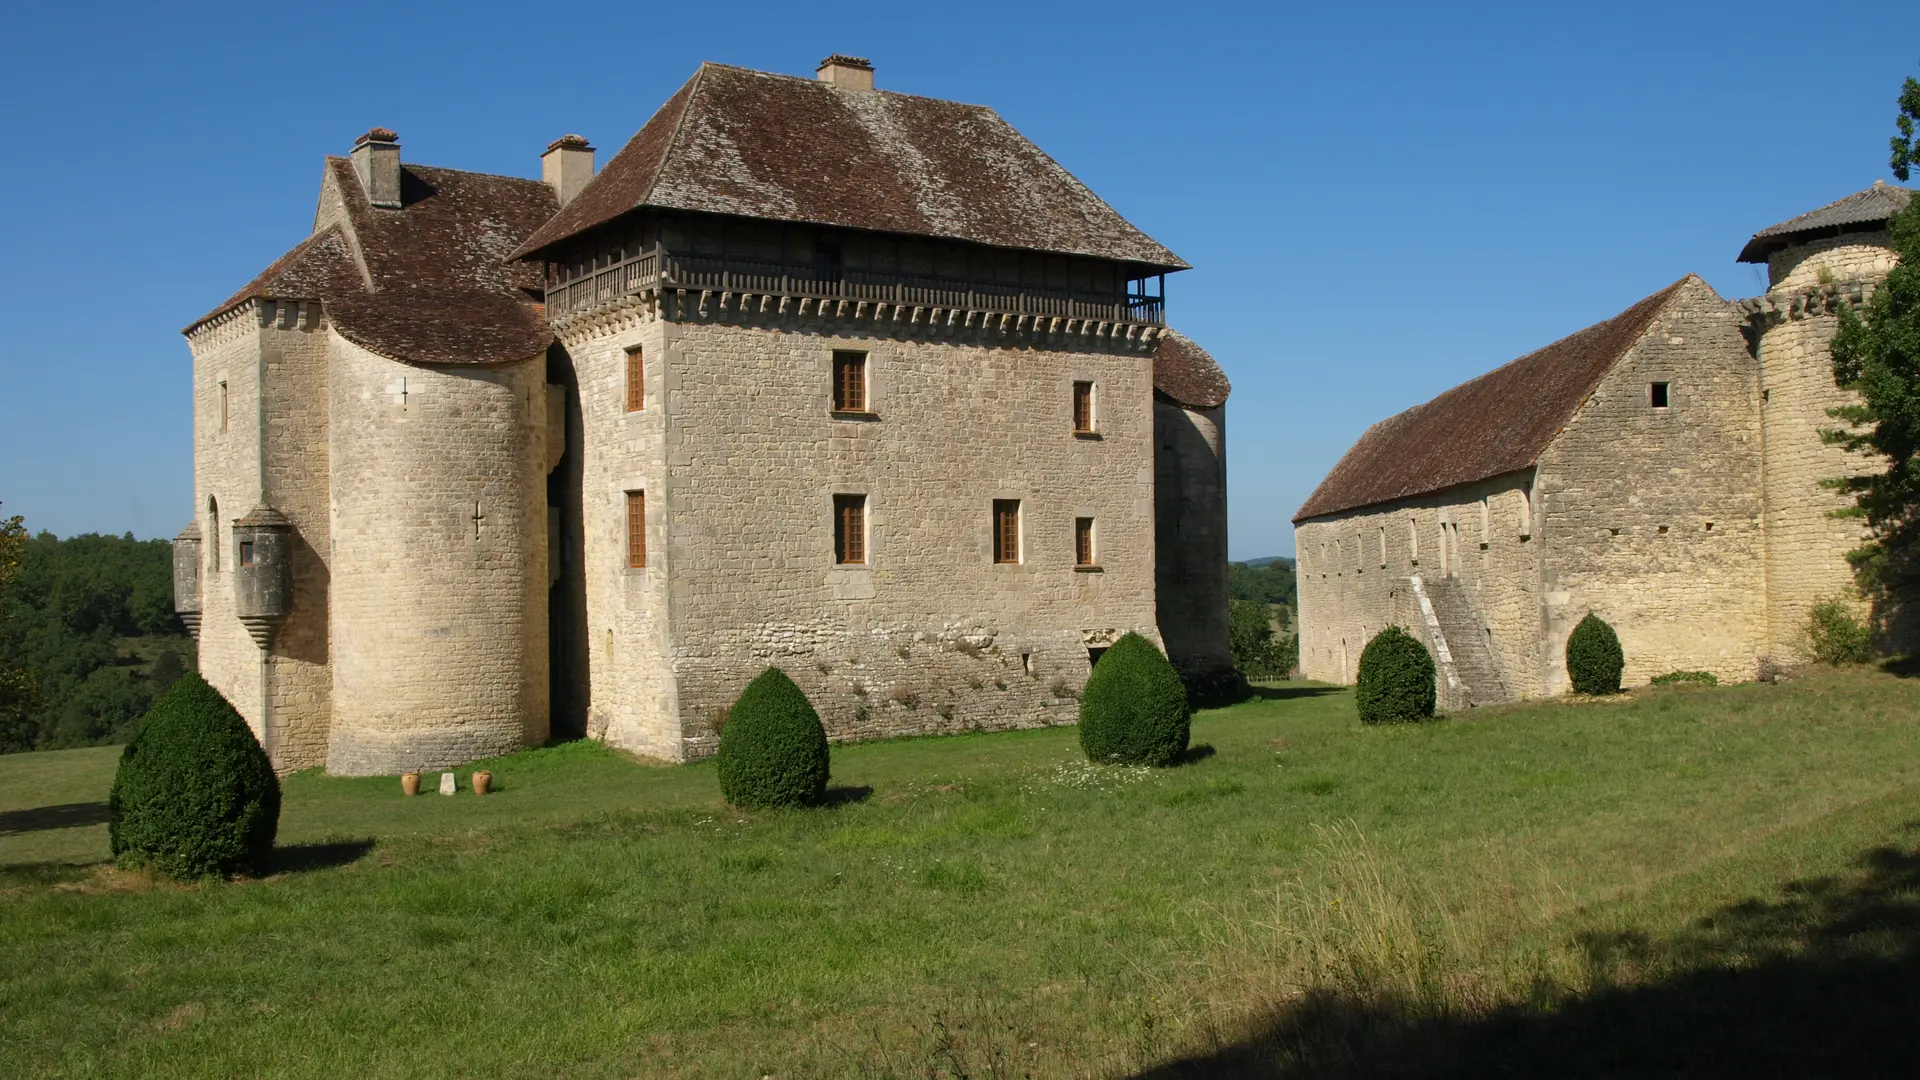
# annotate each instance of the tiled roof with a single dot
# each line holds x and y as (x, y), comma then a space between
(1497, 423)
(1185, 372)
(437, 287)
(1862, 208)
(776, 147)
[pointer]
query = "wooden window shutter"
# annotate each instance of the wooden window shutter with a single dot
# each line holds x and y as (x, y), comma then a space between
(1083, 406)
(850, 529)
(1006, 530)
(849, 382)
(636, 529)
(636, 384)
(1083, 541)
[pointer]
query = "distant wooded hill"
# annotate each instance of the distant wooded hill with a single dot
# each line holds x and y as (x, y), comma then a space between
(1265, 581)
(90, 618)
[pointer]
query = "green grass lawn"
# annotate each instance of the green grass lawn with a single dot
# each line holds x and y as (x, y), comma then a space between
(1528, 885)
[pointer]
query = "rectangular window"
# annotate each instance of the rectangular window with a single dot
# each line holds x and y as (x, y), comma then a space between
(636, 529)
(636, 385)
(1006, 530)
(1657, 393)
(1083, 408)
(246, 553)
(223, 406)
(850, 530)
(1083, 541)
(849, 381)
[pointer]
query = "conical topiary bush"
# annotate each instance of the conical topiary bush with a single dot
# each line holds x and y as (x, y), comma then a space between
(1594, 659)
(195, 795)
(1395, 681)
(773, 751)
(1134, 708)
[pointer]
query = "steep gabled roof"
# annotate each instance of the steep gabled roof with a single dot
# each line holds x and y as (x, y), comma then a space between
(1187, 373)
(437, 287)
(1497, 423)
(1859, 211)
(776, 147)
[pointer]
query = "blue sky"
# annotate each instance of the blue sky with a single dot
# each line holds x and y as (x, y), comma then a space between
(1380, 201)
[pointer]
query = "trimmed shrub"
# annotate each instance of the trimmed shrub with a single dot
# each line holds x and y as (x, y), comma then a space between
(1672, 678)
(1134, 709)
(1395, 682)
(773, 751)
(1835, 636)
(195, 795)
(1594, 659)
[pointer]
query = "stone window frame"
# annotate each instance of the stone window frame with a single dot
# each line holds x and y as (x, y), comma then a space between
(1007, 528)
(852, 530)
(1086, 409)
(213, 536)
(850, 397)
(1660, 394)
(224, 408)
(1086, 544)
(636, 510)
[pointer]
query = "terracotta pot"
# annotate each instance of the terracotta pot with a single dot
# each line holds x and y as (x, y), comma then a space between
(482, 782)
(410, 783)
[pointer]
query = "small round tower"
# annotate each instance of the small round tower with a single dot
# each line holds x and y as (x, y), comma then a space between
(1816, 263)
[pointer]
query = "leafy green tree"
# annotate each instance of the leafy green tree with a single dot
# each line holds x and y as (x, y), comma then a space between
(1269, 583)
(1256, 655)
(16, 683)
(1876, 354)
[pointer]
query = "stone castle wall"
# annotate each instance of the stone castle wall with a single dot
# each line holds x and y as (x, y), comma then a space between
(740, 459)
(439, 619)
(1831, 258)
(1355, 572)
(1651, 517)
(1190, 537)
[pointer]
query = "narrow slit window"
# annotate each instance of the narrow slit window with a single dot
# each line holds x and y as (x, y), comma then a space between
(1006, 530)
(1083, 408)
(636, 380)
(223, 406)
(849, 381)
(1657, 394)
(850, 530)
(636, 529)
(1083, 542)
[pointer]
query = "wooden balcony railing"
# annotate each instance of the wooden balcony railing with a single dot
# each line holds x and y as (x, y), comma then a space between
(669, 271)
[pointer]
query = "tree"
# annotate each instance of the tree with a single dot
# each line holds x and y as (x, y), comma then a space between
(16, 683)
(1876, 354)
(1250, 636)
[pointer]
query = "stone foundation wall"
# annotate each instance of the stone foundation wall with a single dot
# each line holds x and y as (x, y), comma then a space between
(439, 619)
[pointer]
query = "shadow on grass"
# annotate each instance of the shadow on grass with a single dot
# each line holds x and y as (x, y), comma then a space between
(1904, 666)
(301, 858)
(1290, 693)
(13, 875)
(846, 796)
(1818, 981)
(1196, 753)
(43, 818)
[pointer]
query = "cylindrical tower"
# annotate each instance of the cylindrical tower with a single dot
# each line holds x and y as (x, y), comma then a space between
(1190, 514)
(1816, 263)
(439, 573)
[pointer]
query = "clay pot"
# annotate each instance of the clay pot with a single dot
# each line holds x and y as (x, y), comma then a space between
(482, 782)
(410, 783)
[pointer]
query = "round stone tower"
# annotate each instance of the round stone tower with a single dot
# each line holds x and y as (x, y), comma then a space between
(439, 572)
(1816, 263)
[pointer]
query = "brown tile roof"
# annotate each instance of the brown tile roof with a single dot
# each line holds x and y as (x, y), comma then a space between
(437, 287)
(1497, 423)
(1862, 209)
(1185, 372)
(752, 144)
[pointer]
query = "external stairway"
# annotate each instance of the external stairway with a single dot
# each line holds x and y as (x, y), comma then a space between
(1474, 676)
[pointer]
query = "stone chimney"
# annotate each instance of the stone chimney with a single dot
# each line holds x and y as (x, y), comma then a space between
(567, 166)
(847, 72)
(376, 157)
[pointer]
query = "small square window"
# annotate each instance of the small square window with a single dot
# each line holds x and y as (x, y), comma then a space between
(1006, 530)
(1083, 408)
(1083, 542)
(849, 381)
(850, 530)
(1658, 395)
(636, 382)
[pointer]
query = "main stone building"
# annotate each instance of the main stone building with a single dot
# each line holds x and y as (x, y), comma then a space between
(1661, 469)
(855, 383)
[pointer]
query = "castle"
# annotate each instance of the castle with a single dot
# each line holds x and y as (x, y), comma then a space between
(811, 374)
(1661, 469)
